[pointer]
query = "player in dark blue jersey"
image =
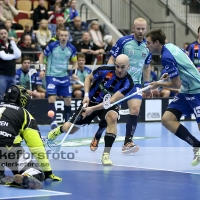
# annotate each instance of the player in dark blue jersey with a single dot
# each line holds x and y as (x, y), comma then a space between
(114, 80)
(184, 76)
(134, 46)
(194, 51)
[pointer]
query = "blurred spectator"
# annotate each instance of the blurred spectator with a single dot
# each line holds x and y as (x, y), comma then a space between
(96, 35)
(8, 11)
(185, 45)
(76, 29)
(89, 48)
(11, 32)
(82, 71)
(41, 85)
(71, 12)
(63, 3)
(60, 21)
(27, 46)
(43, 35)
(55, 37)
(39, 13)
(108, 40)
(28, 30)
(9, 52)
(26, 77)
(194, 51)
(56, 13)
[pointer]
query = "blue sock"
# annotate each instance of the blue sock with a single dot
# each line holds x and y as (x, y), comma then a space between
(53, 108)
(67, 112)
(99, 132)
(130, 128)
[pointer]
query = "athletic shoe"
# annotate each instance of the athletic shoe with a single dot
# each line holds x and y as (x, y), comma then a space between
(54, 125)
(94, 144)
(52, 135)
(106, 159)
(196, 159)
(130, 147)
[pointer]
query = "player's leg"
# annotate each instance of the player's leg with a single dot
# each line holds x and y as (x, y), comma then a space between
(66, 91)
(172, 116)
(26, 173)
(111, 117)
(97, 136)
(51, 90)
(134, 108)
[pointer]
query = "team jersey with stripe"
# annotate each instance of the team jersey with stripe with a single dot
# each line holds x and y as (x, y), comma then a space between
(16, 124)
(58, 58)
(106, 82)
(194, 53)
(137, 52)
(177, 63)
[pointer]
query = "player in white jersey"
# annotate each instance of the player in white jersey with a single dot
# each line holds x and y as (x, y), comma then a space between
(134, 46)
(184, 76)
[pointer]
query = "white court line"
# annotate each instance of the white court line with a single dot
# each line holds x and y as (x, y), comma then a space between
(131, 167)
(41, 195)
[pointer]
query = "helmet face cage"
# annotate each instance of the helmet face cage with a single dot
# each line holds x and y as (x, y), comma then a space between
(24, 97)
(19, 95)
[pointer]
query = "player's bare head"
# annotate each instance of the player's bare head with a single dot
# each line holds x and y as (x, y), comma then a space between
(157, 35)
(155, 39)
(121, 65)
(139, 28)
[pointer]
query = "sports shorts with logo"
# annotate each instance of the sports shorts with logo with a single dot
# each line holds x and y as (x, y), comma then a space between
(187, 104)
(59, 86)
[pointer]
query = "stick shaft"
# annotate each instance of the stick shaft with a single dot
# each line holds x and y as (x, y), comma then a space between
(141, 90)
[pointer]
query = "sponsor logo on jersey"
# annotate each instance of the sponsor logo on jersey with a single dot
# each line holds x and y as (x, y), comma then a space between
(3, 123)
(5, 134)
(109, 75)
(189, 98)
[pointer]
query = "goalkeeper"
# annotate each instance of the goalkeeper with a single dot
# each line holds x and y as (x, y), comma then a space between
(16, 124)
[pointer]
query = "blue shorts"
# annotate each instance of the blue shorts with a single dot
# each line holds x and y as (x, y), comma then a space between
(187, 104)
(59, 86)
(135, 89)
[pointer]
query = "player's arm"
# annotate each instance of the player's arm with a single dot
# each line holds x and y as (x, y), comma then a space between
(111, 60)
(31, 134)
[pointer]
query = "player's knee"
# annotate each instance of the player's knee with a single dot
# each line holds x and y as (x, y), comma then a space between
(78, 94)
(111, 118)
(134, 110)
(164, 120)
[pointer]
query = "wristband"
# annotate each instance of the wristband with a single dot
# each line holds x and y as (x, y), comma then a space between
(42, 67)
(86, 94)
(146, 83)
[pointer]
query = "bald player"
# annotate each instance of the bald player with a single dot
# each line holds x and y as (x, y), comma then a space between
(114, 80)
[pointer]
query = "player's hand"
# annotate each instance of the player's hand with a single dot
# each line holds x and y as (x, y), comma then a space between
(164, 77)
(74, 77)
(50, 175)
(148, 94)
(154, 85)
(86, 100)
(87, 112)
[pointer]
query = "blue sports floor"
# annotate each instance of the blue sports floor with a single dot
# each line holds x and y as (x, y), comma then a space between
(160, 170)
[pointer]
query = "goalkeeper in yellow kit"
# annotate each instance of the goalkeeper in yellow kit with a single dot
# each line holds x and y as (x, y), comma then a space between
(17, 124)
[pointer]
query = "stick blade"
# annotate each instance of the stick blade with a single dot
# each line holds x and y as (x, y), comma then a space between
(53, 146)
(106, 101)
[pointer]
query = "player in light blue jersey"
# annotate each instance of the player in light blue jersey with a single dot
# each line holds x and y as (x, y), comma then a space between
(134, 46)
(184, 76)
(59, 54)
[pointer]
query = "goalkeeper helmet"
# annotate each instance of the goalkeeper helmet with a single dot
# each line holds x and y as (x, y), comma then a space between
(18, 94)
